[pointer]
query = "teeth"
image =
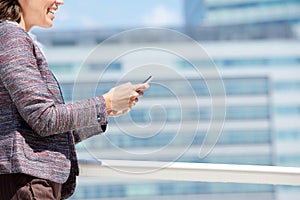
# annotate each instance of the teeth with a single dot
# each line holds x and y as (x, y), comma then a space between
(51, 11)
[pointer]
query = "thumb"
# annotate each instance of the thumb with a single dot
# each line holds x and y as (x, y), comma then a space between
(142, 86)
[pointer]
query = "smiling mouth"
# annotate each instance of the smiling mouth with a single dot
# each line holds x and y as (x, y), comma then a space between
(51, 11)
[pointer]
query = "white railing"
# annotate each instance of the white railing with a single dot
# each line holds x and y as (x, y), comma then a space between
(180, 171)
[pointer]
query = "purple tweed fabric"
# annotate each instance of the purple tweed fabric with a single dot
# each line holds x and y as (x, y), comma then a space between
(38, 130)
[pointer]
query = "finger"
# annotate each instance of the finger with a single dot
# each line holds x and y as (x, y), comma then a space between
(133, 98)
(124, 111)
(141, 93)
(133, 102)
(136, 100)
(135, 94)
(110, 113)
(142, 86)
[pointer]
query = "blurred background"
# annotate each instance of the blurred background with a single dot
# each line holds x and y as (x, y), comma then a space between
(251, 46)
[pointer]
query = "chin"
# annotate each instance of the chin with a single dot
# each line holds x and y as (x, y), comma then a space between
(49, 25)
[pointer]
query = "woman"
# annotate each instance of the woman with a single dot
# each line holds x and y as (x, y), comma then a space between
(37, 130)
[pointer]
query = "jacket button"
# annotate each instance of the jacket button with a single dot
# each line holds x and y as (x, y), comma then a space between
(99, 117)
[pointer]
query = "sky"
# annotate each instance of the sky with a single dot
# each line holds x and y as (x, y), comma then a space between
(90, 14)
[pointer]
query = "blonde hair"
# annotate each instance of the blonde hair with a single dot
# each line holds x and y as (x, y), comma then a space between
(10, 10)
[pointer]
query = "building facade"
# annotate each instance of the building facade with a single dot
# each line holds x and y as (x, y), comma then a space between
(242, 19)
(260, 128)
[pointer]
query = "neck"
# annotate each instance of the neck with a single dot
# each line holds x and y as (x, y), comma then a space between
(23, 25)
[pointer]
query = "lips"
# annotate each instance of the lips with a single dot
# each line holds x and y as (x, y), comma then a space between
(51, 12)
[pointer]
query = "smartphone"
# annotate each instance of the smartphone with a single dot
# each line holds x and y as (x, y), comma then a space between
(148, 79)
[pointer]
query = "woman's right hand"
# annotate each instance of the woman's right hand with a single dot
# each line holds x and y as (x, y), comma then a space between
(121, 99)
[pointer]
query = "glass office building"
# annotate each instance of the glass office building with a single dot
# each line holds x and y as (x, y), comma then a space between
(242, 19)
(260, 128)
(194, 12)
(253, 20)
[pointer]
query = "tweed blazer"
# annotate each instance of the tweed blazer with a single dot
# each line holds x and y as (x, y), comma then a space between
(38, 131)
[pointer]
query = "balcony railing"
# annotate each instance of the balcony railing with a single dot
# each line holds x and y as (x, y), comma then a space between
(181, 171)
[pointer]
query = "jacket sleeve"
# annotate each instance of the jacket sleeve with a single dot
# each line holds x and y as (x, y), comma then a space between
(21, 76)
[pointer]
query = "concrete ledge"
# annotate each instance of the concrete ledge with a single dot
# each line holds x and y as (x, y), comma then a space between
(180, 171)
